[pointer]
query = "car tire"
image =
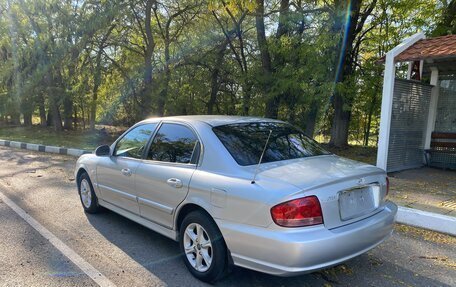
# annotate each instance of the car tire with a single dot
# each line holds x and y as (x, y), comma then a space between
(199, 237)
(87, 195)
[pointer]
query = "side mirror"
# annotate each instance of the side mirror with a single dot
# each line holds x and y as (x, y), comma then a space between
(103, 150)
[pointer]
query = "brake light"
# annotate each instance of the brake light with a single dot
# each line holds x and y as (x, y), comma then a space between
(299, 212)
(387, 186)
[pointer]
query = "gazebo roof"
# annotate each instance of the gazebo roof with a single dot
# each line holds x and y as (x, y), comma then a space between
(431, 48)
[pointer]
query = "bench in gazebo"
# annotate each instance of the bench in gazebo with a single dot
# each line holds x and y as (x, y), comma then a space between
(443, 150)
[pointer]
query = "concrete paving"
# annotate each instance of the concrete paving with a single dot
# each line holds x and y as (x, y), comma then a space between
(427, 189)
(131, 255)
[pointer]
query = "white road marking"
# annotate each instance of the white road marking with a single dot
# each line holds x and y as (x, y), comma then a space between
(88, 269)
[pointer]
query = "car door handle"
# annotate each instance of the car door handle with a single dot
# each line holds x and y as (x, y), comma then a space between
(174, 182)
(126, 171)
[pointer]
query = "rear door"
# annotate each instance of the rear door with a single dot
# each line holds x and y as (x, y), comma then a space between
(162, 180)
(116, 173)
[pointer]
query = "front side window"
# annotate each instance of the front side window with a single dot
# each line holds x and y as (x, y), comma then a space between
(173, 143)
(134, 142)
(245, 142)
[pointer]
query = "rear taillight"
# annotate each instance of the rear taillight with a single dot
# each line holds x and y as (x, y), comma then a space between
(387, 186)
(299, 212)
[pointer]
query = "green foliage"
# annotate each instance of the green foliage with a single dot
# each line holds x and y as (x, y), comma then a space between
(69, 58)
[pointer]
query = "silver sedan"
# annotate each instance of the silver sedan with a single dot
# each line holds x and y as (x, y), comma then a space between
(252, 192)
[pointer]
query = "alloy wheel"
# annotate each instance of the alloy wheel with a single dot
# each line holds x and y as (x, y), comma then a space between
(198, 247)
(86, 194)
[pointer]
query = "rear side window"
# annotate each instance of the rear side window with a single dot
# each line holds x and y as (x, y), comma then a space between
(174, 143)
(245, 142)
(134, 142)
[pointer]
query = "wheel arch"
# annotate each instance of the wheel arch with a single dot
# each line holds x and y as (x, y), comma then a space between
(81, 171)
(189, 207)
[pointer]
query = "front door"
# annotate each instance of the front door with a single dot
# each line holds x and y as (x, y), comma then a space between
(162, 180)
(116, 174)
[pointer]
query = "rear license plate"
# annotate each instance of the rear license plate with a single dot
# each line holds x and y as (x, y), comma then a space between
(357, 202)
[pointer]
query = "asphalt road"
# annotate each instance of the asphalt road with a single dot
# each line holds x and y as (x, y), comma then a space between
(131, 255)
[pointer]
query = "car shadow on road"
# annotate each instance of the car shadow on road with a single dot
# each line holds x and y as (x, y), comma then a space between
(161, 256)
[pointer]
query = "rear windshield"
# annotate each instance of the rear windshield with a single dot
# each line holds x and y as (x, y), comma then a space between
(246, 141)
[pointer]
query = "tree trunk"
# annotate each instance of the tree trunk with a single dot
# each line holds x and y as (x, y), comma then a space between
(340, 124)
(67, 113)
(96, 84)
(146, 94)
(342, 102)
(75, 117)
(215, 83)
(93, 108)
(246, 94)
(54, 105)
(272, 102)
(282, 27)
(214, 90)
(163, 95)
(56, 118)
(49, 119)
(369, 121)
(42, 111)
(97, 78)
(15, 118)
(27, 107)
(311, 119)
(161, 101)
(27, 119)
(272, 107)
(83, 116)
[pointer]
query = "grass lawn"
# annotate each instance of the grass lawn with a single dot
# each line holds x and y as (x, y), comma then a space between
(356, 152)
(88, 140)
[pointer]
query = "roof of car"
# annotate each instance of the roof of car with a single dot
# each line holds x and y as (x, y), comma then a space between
(216, 120)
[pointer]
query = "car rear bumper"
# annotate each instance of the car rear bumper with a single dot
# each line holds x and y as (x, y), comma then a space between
(292, 251)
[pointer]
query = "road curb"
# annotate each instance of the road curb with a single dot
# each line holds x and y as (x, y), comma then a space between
(409, 216)
(44, 148)
(427, 220)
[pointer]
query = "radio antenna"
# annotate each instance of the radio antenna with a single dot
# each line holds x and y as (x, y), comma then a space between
(261, 157)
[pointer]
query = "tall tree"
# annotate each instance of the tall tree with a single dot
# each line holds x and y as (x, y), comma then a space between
(176, 18)
(233, 31)
(141, 16)
(348, 24)
(272, 105)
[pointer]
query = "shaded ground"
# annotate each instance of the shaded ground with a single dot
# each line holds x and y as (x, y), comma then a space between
(426, 188)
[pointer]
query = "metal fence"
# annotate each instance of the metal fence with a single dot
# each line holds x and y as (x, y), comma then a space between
(408, 125)
(446, 108)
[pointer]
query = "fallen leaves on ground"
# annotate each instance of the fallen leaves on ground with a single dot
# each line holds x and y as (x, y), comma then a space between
(427, 235)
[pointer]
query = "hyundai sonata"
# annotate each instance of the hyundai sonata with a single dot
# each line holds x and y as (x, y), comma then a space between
(252, 192)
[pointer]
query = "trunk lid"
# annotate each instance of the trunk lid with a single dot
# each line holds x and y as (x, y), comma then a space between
(309, 172)
(348, 191)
